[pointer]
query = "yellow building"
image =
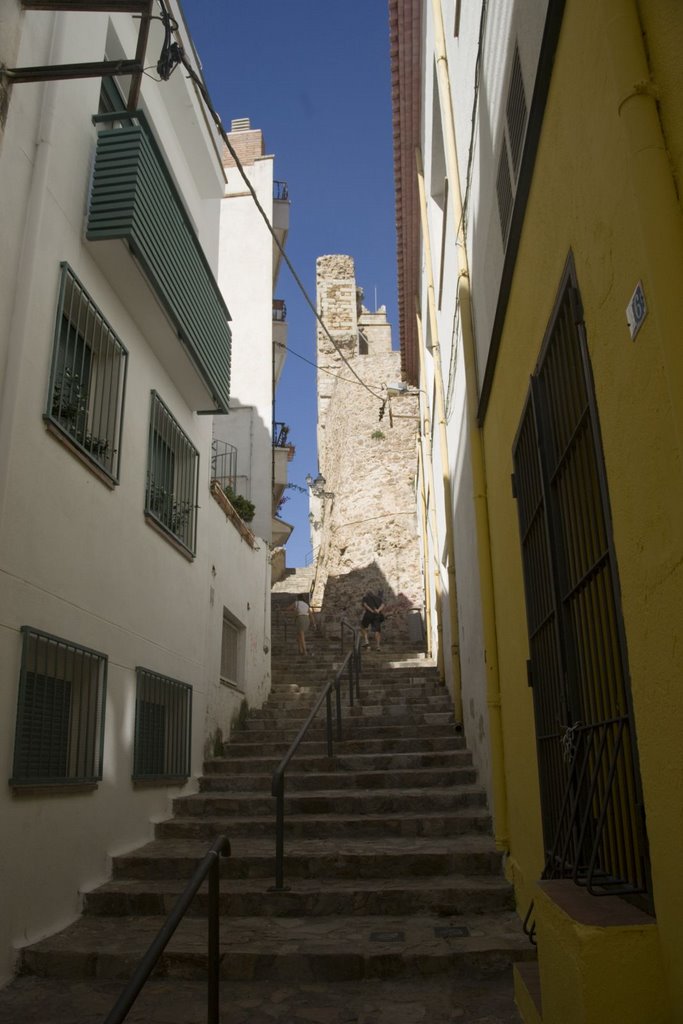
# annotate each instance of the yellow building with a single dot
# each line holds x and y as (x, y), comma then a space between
(561, 137)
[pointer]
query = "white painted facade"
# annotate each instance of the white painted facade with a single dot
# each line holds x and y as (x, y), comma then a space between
(78, 558)
(249, 263)
(480, 58)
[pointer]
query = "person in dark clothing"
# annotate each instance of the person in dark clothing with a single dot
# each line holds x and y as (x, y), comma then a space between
(373, 605)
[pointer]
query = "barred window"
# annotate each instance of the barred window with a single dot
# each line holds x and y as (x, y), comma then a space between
(60, 712)
(172, 476)
(87, 378)
(163, 720)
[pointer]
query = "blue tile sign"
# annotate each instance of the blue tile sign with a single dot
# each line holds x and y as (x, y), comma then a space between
(636, 311)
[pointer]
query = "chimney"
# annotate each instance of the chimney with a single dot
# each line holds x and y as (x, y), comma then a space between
(245, 140)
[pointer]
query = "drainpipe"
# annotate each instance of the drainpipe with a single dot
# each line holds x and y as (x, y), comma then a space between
(425, 548)
(443, 445)
(28, 255)
(476, 445)
(427, 459)
(659, 214)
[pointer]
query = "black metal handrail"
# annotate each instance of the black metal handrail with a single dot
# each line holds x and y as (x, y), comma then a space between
(355, 650)
(352, 666)
(209, 866)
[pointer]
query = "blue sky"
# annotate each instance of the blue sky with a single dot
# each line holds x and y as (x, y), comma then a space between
(315, 77)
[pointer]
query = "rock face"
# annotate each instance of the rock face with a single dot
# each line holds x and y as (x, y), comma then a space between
(364, 518)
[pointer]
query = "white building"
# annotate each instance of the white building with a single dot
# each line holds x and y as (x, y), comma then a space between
(134, 611)
(446, 240)
(249, 264)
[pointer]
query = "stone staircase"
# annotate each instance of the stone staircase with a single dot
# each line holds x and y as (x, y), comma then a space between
(390, 867)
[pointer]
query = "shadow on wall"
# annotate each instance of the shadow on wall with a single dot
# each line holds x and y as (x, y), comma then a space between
(343, 599)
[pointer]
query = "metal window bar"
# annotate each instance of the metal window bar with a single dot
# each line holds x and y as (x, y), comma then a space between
(280, 435)
(163, 727)
(351, 665)
(88, 377)
(224, 464)
(59, 737)
(172, 476)
(208, 867)
(516, 113)
(280, 190)
(591, 800)
(504, 193)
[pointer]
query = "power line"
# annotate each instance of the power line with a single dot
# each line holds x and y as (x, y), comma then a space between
(293, 352)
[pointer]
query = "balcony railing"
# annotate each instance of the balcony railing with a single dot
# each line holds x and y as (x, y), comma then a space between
(279, 310)
(280, 190)
(280, 435)
(224, 464)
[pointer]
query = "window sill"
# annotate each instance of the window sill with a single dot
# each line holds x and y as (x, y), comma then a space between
(89, 463)
(157, 781)
(230, 685)
(51, 788)
(178, 545)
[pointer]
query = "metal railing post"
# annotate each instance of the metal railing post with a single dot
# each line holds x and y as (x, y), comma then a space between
(213, 1006)
(328, 700)
(280, 832)
(339, 708)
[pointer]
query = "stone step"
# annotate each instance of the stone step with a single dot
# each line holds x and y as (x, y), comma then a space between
(427, 824)
(389, 708)
(350, 762)
(287, 948)
(357, 729)
(340, 857)
(332, 801)
(237, 749)
(373, 778)
(446, 896)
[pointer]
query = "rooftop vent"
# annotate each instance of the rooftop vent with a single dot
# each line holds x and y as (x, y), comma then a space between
(240, 124)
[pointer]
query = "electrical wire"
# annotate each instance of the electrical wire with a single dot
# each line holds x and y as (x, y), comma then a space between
(173, 54)
(321, 369)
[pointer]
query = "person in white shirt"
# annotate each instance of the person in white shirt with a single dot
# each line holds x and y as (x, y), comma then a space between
(304, 616)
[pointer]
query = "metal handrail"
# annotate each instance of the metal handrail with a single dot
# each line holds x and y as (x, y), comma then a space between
(351, 665)
(209, 866)
(354, 676)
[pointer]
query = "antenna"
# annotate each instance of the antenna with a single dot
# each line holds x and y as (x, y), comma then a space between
(375, 298)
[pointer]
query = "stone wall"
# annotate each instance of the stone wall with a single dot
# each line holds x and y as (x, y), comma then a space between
(367, 534)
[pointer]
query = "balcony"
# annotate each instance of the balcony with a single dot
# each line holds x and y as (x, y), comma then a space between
(280, 221)
(280, 330)
(283, 452)
(134, 199)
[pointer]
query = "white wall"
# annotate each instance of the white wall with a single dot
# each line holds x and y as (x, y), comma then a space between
(77, 558)
(245, 278)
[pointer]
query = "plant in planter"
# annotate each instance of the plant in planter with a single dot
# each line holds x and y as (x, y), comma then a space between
(173, 514)
(70, 401)
(244, 508)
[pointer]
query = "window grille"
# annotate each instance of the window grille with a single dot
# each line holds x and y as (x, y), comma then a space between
(60, 712)
(516, 113)
(231, 647)
(163, 723)
(88, 377)
(172, 476)
(512, 144)
(591, 801)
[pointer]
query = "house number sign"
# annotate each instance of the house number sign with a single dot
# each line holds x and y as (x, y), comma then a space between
(636, 311)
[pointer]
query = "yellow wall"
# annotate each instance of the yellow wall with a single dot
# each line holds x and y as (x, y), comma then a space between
(587, 196)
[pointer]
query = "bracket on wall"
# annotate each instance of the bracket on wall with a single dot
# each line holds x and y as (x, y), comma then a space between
(93, 69)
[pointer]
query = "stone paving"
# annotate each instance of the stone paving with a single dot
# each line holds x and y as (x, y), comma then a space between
(432, 1001)
(397, 911)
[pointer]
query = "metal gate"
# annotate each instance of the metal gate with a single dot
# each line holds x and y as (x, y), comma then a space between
(593, 821)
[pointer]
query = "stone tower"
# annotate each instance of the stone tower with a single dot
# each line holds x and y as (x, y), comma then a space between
(363, 516)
